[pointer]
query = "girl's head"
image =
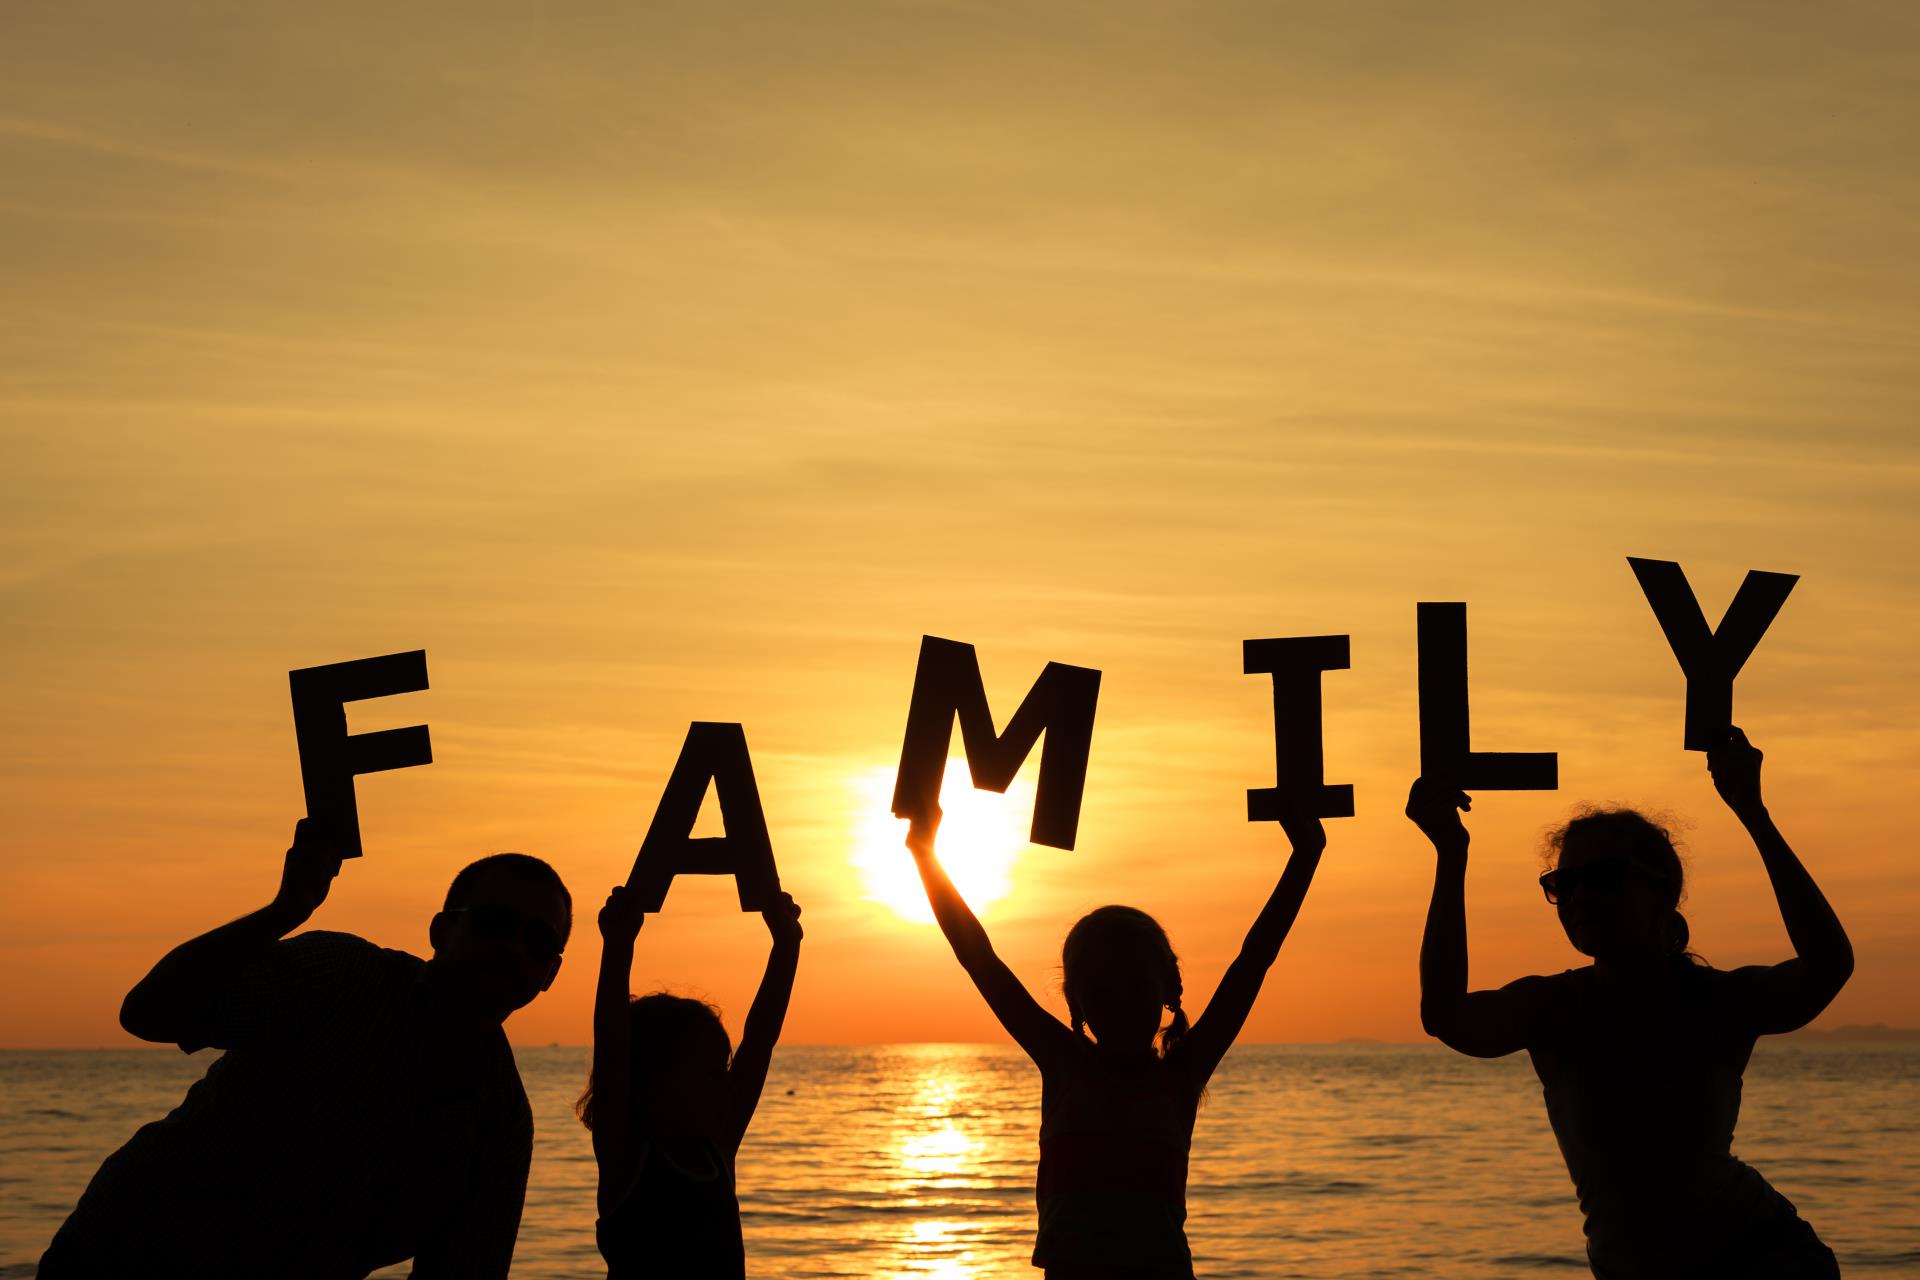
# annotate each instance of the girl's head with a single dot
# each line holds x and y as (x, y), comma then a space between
(1119, 972)
(679, 1071)
(1615, 877)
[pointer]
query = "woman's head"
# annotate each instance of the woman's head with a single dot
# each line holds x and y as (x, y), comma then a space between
(1616, 879)
(680, 1054)
(1119, 972)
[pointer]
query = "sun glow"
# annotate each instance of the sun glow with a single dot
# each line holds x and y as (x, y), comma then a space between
(981, 835)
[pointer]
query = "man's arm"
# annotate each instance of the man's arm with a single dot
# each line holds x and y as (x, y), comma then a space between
(747, 1075)
(174, 1002)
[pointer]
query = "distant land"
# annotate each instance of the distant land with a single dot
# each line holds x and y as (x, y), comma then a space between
(1872, 1031)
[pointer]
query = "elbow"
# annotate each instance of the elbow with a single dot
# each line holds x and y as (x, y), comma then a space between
(1434, 1021)
(140, 1020)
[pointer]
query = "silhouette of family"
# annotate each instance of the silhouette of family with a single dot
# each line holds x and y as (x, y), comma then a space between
(367, 1109)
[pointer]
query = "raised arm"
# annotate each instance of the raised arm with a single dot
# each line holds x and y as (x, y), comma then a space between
(615, 1146)
(1485, 1024)
(1788, 995)
(1214, 1033)
(748, 1073)
(172, 1003)
(1032, 1028)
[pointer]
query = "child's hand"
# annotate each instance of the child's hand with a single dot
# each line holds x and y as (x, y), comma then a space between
(1735, 766)
(783, 921)
(921, 832)
(1435, 809)
(1306, 832)
(621, 918)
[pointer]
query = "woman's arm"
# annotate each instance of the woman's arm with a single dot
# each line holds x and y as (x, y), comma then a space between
(1032, 1028)
(615, 1146)
(1785, 996)
(1485, 1024)
(172, 1003)
(1226, 1013)
(748, 1073)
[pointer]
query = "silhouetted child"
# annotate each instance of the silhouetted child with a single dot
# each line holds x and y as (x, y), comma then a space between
(668, 1102)
(1640, 1053)
(1116, 1113)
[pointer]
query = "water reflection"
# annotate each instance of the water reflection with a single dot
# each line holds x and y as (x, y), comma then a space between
(939, 1160)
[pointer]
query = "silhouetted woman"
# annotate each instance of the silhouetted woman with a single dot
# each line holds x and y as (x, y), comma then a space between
(1117, 1112)
(1640, 1053)
(669, 1101)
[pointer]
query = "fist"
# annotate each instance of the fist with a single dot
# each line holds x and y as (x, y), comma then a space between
(783, 920)
(1435, 809)
(921, 832)
(621, 917)
(1735, 768)
(306, 876)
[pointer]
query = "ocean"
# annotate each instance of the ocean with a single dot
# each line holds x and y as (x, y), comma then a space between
(918, 1160)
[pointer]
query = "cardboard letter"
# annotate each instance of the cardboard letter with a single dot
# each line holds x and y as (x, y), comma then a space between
(330, 756)
(1711, 659)
(1445, 742)
(946, 685)
(715, 753)
(1299, 753)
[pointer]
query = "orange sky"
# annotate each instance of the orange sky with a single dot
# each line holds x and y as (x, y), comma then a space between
(686, 363)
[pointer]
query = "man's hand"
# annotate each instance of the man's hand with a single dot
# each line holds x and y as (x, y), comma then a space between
(1435, 809)
(312, 863)
(1306, 832)
(783, 921)
(621, 917)
(1735, 766)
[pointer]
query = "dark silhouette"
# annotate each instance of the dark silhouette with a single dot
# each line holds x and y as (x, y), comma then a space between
(668, 1109)
(714, 757)
(1116, 1116)
(367, 1109)
(1640, 1054)
(330, 757)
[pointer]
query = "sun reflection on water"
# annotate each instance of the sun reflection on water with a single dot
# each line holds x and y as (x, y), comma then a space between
(937, 1157)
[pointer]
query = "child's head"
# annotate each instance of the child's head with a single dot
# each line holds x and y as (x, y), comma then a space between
(1119, 971)
(680, 1056)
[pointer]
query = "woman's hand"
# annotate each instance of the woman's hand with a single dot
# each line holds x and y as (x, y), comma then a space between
(1735, 767)
(783, 921)
(1435, 809)
(621, 917)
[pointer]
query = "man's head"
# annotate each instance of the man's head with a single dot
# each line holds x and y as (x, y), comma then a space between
(498, 938)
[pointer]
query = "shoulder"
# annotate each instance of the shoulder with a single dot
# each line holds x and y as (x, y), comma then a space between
(324, 957)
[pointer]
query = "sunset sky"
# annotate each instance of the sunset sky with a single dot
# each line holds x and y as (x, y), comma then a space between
(649, 364)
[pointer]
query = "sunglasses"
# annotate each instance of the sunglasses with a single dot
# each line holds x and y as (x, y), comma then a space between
(1601, 876)
(498, 924)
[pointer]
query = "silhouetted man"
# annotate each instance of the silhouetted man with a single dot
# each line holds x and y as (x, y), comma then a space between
(367, 1109)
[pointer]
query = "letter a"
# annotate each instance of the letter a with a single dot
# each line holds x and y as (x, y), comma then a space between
(715, 753)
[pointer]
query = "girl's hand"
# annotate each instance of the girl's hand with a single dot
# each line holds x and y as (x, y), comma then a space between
(1307, 833)
(783, 921)
(921, 831)
(621, 918)
(1435, 809)
(1735, 766)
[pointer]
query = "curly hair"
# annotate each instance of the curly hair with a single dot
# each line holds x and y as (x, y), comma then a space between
(1647, 841)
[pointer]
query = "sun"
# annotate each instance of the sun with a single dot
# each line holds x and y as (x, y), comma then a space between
(980, 836)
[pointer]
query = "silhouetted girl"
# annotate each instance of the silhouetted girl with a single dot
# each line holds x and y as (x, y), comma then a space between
(668, 1103)
(1640, 1053)
(1116, 1113)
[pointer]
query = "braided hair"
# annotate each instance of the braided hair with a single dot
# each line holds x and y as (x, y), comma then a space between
(1127, 927)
